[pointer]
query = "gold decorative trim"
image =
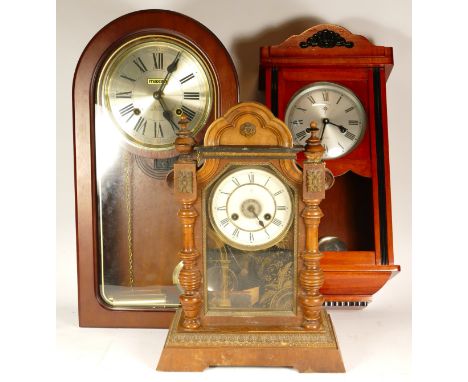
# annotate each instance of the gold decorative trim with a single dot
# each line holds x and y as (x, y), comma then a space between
(256, 338)
(314, 180)
(184, 181)
(247, 154)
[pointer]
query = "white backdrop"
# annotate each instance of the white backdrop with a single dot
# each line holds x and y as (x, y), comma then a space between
(375, 342)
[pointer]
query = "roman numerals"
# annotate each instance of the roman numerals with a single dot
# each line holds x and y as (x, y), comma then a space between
(277, 222)
(123, 95)
(128, 78)
(349, 109)
(187, 78)
(224, 222)
(350, 135)
(191, 95)
(126, 110)
(301, 135)
(158, 59)
(325, 96)
(278, 192)
(298, 122)
(251, 177)
(353, 122)
(188, 112)
(236, 181)
(158, 131)
(235, 234)
(140, 126)
(311, 99)
(139, 63)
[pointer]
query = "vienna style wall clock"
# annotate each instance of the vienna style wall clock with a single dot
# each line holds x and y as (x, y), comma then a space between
(251, 266)
(133, 81)
(338, 79)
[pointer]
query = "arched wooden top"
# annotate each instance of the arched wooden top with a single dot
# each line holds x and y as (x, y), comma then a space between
(326, 44)
(248, 124)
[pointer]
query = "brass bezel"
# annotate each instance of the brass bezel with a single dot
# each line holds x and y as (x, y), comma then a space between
(330, 85)
(232, 243)
(121, 54)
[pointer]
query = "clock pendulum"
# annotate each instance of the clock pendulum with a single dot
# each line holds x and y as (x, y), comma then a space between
(133, 81)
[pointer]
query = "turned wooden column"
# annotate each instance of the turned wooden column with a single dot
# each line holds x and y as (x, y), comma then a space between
(311, 277)
(185, 189)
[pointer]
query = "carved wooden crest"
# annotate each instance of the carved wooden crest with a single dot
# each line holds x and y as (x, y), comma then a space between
(248, 124)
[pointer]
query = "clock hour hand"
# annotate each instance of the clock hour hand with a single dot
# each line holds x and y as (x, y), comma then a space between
(342, 128)
(170, 69)
(252, 210)
(167, 114)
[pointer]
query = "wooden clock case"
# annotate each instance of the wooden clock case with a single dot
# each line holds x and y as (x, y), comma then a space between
(358, 207)
(248, 135)
(93, 311)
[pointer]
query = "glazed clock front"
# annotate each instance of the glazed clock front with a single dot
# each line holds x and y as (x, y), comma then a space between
(337, 110)
(251, 208)
(250, 252)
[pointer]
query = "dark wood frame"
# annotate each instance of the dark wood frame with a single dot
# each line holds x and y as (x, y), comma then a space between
(350, 278)
(92, 311)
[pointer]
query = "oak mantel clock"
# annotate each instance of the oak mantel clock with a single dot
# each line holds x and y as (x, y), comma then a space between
(329, 75)
(251, 266)
(133, 81)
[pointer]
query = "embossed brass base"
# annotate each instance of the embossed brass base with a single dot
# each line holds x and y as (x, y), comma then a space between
(303, 350)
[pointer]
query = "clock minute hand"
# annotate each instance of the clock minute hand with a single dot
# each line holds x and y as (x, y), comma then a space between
(170, 69)
(325, 121)
(342, 128)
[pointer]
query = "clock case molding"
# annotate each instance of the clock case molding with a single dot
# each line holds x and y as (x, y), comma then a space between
(331, 53)
(93, 312)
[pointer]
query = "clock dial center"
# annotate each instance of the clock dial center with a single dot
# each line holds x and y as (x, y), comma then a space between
(251, 208)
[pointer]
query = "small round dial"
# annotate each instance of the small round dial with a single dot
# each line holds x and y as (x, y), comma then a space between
(251, 208)
(147, 83)
(338, 112)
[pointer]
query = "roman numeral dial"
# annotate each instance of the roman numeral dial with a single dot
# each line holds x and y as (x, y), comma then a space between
(338, 112)
(251, 208)
(148, 83)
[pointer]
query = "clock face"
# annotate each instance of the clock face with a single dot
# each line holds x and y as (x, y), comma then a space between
(148, 83)
(251, 208)
(337, 111)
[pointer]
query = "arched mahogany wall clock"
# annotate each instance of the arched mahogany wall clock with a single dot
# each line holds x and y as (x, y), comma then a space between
(338, 79)
(133, 81)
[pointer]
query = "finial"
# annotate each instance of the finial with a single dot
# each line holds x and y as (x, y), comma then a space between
(313, 148)
(185, 141)
(183, 122)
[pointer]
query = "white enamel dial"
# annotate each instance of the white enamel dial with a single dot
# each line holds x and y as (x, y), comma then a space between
(337, 111)
(148, 83)
(251, 208)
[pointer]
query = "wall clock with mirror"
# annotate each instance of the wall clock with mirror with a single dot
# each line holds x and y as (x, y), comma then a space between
(338, 79)
(133, 81)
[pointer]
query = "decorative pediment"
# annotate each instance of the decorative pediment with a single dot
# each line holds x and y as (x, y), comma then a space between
(248, 124)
